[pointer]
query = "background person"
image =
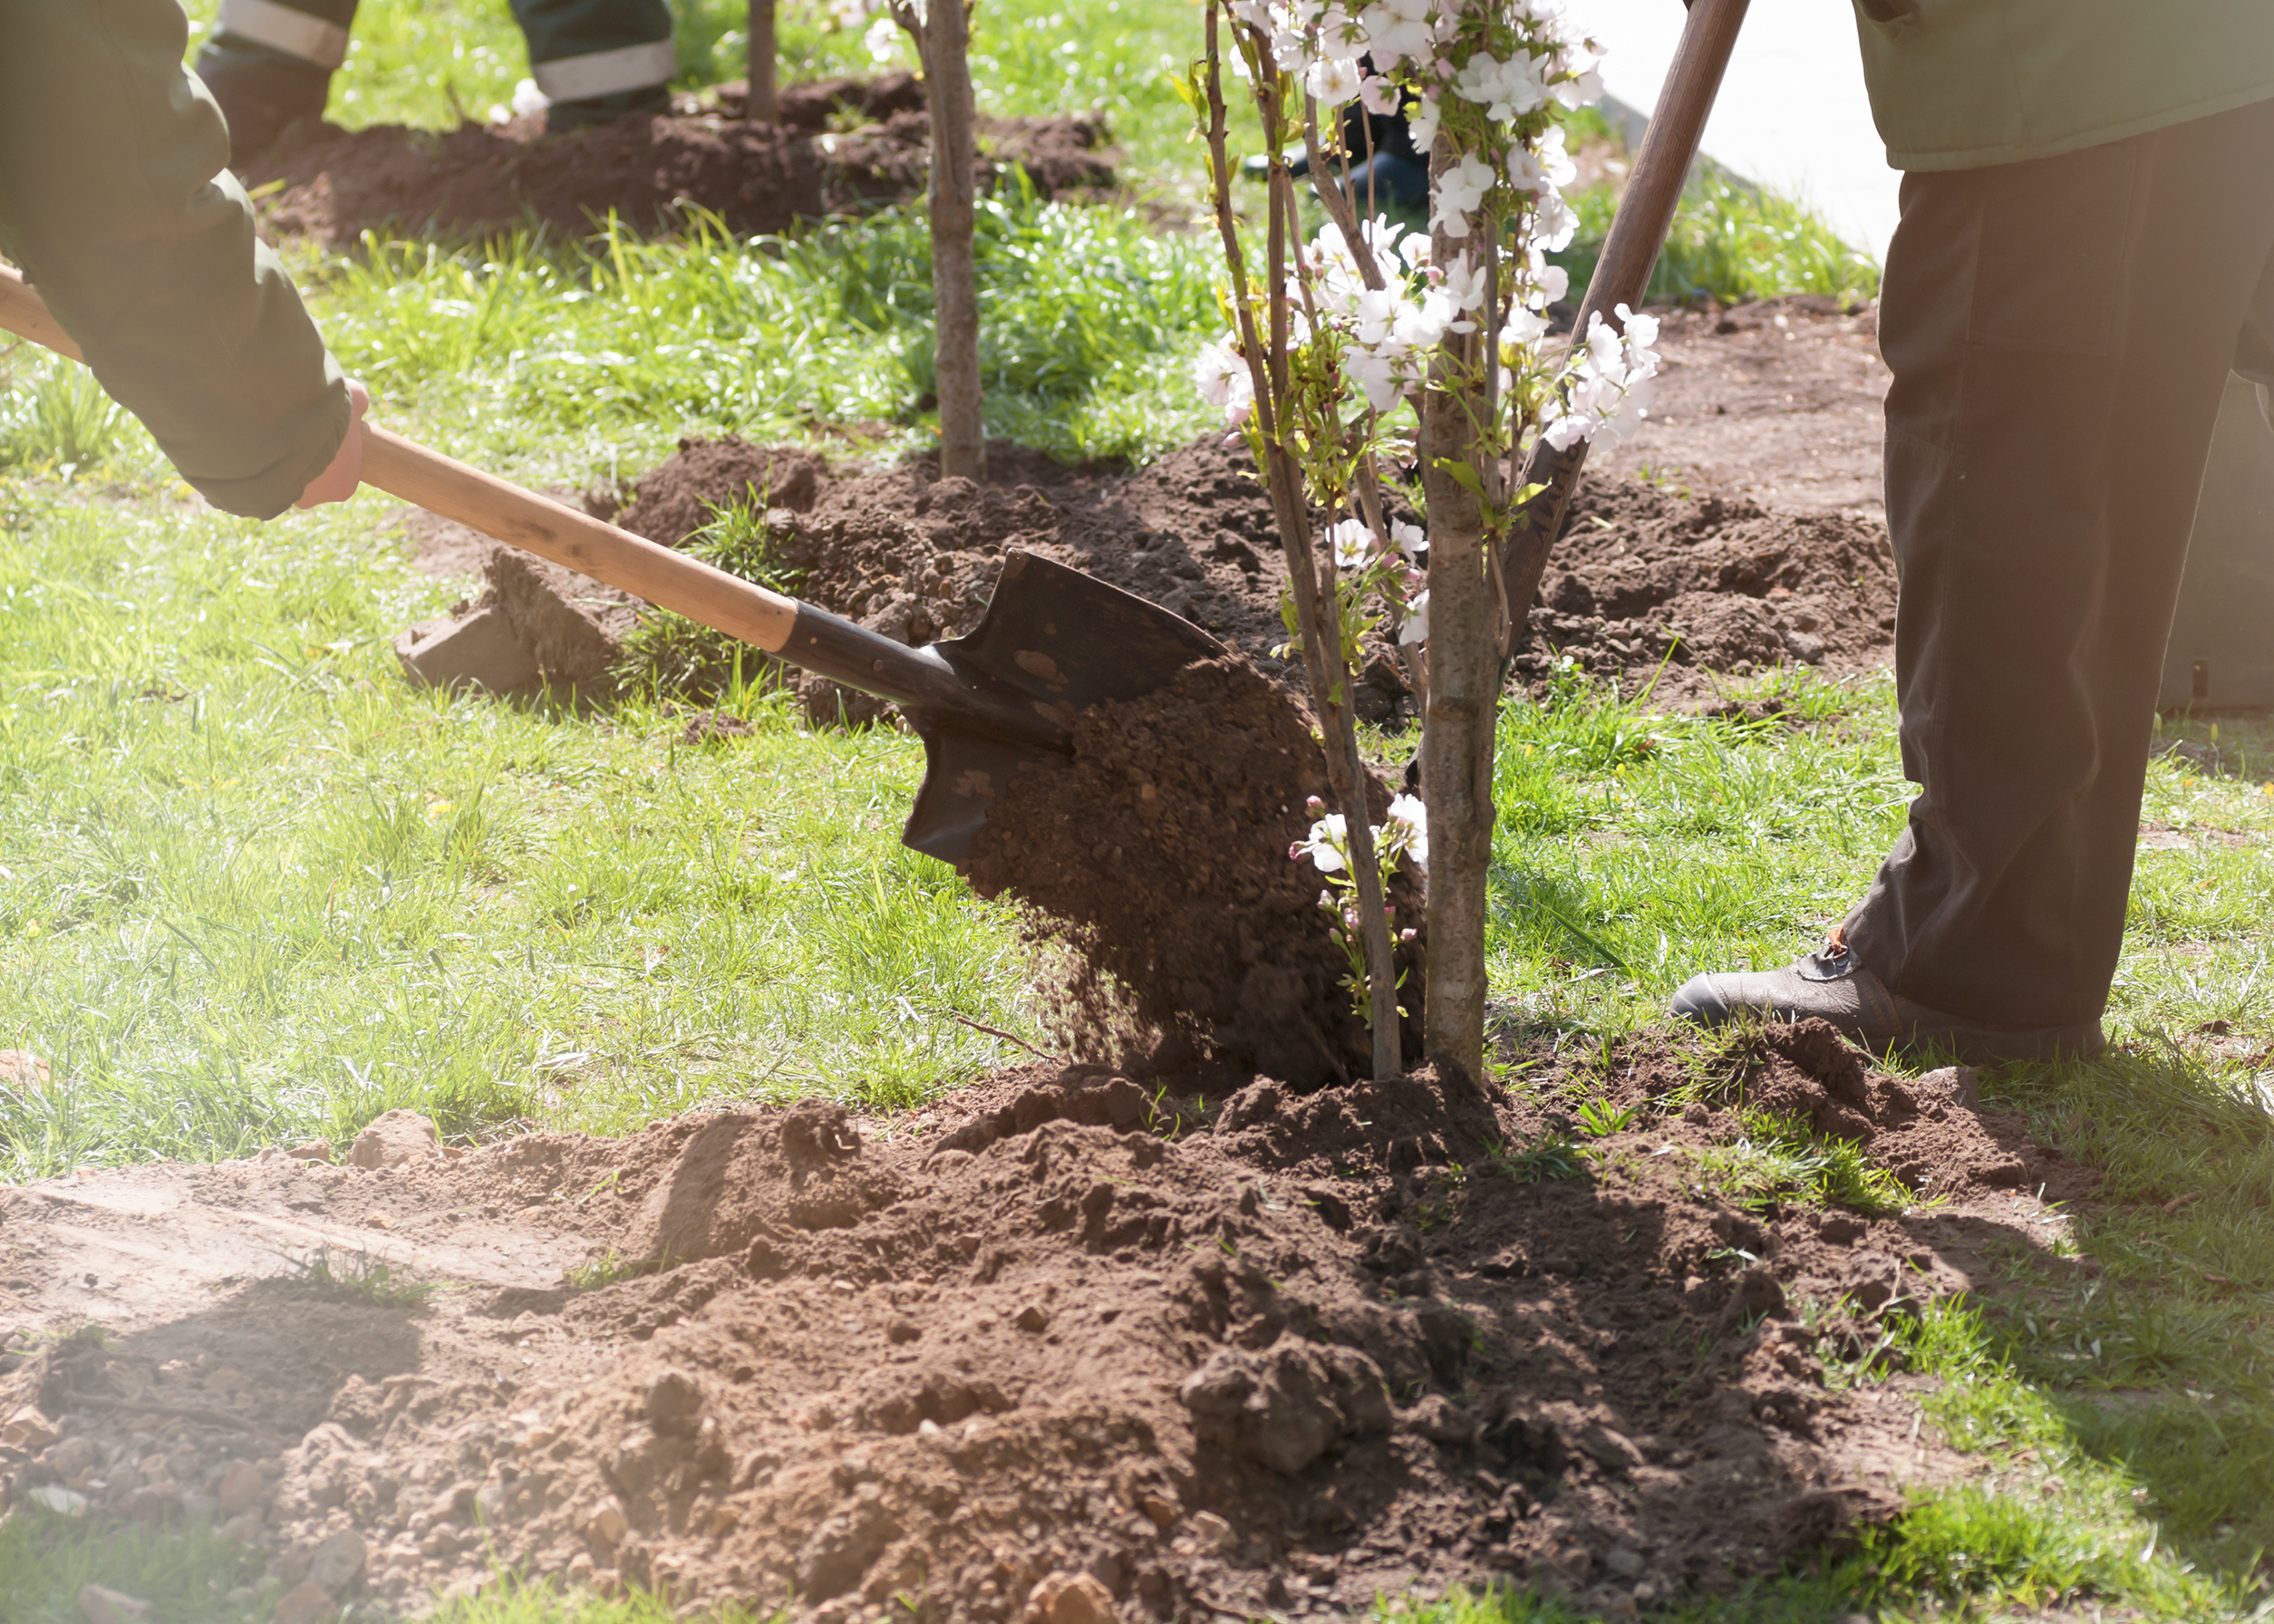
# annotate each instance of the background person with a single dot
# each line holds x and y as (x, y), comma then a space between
(2086, 247)
(269, 63)
(113, 201)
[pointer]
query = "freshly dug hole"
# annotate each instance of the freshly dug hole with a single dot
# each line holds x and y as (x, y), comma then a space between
(1157, 861)
(480, 179)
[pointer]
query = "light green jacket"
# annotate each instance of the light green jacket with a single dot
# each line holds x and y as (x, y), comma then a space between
(113, 201)
(1961, 85)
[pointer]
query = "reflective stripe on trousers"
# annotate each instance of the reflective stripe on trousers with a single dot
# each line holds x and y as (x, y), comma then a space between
(578, 49)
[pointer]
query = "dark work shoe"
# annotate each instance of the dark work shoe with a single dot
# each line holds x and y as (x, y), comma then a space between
(262, 94)
(1833, 985)
(561, 117)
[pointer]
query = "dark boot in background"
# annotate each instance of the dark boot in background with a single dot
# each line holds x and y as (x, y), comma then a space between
(269, 64)
(598, 61)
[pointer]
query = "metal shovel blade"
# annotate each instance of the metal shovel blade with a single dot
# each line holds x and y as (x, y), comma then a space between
(1061, 641)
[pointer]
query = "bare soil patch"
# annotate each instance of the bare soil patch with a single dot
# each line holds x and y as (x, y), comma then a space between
(1778, 402)
(1187, 1347)
(1730, 587)
(841, 146)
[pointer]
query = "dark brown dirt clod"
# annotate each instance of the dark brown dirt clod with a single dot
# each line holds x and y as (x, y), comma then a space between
(1158, 859)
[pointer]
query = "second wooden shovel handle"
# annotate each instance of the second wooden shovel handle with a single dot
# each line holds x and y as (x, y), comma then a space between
(1623, 274)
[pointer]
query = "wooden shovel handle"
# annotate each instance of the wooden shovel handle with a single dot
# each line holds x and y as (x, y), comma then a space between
(1630, 253)
(505, 512)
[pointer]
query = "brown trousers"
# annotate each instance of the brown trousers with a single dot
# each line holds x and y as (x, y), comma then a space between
(2059, 332)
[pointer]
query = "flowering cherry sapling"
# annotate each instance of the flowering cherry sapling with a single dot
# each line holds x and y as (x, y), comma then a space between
(1371, 349)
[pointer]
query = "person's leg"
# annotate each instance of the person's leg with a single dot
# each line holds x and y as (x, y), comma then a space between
(269, 64)
(598, 59)
(2059, 334)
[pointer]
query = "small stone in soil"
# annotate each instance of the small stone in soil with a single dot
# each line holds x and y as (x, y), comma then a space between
(394, 1139)
(338, 1562)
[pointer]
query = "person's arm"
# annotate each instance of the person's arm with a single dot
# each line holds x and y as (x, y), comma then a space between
(114, 202)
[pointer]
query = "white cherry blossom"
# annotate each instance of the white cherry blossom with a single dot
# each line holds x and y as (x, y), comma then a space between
(1416, 626)
(1545, 167)
(1459, 191)
(1354, 543)
(1333, 79)
(1324, 847)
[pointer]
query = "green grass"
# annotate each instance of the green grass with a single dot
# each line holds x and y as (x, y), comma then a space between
(361, 1277)
(194, 1577)
(579, 363)
(255, 889)
(1777, 1162)
(1730, 243)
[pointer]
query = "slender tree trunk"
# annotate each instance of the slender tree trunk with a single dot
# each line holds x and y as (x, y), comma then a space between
(946, 45)
(759, 106)
(1267, 363)
(1456, 740)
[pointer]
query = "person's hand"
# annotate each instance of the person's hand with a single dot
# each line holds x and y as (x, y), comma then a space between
(337, 482)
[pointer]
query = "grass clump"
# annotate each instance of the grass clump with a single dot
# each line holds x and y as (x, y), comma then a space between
(1550, 1157)
(1729, 243)
(512, 1600)
(56, 420)
(186, 1575)
(1778, 1162)
(667, 653)
(361, 1278)
(611, 1268)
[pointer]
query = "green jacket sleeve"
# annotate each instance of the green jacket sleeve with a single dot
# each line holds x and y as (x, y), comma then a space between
(114, 202)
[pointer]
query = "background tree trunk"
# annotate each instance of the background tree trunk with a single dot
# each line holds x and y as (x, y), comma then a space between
(946, 45)
(1456, 740)
(760, 106)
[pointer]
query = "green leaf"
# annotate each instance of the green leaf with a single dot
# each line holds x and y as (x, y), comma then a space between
(1462, 474)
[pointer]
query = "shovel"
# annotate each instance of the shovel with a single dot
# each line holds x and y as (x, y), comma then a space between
(1052, 642)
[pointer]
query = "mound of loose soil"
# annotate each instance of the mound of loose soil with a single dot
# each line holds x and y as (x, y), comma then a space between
(1254, 1354)
(1159, 861)
(1732, 586)
(479, 178)
(1727, 585)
